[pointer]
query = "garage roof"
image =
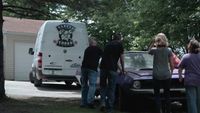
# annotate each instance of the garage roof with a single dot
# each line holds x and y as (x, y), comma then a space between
(21, 25)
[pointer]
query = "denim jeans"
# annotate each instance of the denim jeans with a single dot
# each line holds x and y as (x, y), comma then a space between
(107, 87)
(193, 99)
(158, 84)
(88, 91)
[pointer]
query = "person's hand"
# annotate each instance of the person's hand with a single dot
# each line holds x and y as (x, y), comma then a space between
(180, 78)
(123, 72)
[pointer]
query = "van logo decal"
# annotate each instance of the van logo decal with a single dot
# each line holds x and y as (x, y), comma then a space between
(65, 32)
(75, 65)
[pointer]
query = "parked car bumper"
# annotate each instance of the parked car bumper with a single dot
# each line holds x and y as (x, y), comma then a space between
(175, 93)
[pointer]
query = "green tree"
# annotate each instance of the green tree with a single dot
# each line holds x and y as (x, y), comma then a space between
(31, 9)
(178, 19)
(137, 20)
(102, 17)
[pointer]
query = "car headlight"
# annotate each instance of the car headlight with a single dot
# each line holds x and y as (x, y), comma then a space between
(137, 84)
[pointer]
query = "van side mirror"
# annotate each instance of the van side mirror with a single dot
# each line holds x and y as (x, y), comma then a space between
(30, 51)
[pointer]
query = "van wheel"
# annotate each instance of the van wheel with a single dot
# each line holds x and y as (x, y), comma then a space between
(37, 83)
(68, 83)
(78, 85)
(31, 78)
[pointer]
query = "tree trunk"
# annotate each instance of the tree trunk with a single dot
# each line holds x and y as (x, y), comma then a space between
(2, 80)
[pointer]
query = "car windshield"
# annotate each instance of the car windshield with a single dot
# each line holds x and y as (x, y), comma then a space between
(138, 60)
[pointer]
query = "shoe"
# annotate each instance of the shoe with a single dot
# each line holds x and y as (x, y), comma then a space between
(91, 105)
(83, 106)
(103, 109)
(109, 111)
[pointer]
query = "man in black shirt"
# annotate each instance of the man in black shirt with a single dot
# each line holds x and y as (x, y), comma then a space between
(113, 52)
(89, 73)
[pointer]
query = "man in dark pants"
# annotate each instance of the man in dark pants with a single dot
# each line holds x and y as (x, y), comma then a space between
(89, 73)
(113, 51)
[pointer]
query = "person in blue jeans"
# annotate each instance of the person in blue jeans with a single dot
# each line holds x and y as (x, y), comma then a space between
(89, 74)
(191, 63)
(113, 52)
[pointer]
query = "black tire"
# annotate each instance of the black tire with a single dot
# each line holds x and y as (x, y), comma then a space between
(68, 83)
(123, 99)
(78, 85)
(31, 78)
(37, 83)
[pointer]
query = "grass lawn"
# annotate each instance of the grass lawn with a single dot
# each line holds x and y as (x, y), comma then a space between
(44, 105)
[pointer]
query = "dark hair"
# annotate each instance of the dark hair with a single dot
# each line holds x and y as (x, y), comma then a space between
(116, 36)
(193, 46)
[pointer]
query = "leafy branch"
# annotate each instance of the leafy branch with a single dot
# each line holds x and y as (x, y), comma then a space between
(24, 11)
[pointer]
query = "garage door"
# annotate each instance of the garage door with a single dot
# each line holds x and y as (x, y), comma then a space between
(22, 60)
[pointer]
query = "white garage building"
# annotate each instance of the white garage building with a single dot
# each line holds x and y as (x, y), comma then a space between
(19, 36)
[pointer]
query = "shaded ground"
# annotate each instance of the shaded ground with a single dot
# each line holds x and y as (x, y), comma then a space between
(146, 105)
(58, 105)
(57, 98)
(44, 105)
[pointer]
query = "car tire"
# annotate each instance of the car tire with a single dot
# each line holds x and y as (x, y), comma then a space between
(123, 99)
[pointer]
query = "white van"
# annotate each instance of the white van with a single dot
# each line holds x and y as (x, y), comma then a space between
(58, 51)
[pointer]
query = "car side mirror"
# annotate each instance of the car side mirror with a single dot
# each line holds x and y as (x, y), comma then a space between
(30, 51)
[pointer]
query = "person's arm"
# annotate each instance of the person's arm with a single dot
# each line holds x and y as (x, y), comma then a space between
(152, 48)
(122, 63)
(181, 67)
(171, 62)
(152, 44)
(199, 49)
(119, 67)
(180, 71)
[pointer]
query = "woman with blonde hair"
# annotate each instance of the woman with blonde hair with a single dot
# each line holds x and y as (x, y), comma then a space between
(161, 40)
(162, 70)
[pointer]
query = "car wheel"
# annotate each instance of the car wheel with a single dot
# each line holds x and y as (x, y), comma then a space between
(123, 99)
(37, 83)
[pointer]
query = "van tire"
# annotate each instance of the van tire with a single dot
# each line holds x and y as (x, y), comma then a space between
(37, 83)
(68, 83)
(78, 85)
(31, 78)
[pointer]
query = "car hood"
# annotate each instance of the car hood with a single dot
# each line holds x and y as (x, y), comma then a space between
(146, 74)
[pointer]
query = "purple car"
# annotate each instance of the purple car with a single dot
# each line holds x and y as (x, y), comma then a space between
(137, 84)
(139, 67)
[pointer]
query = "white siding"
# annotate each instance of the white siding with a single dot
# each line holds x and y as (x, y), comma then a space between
(9, 50)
